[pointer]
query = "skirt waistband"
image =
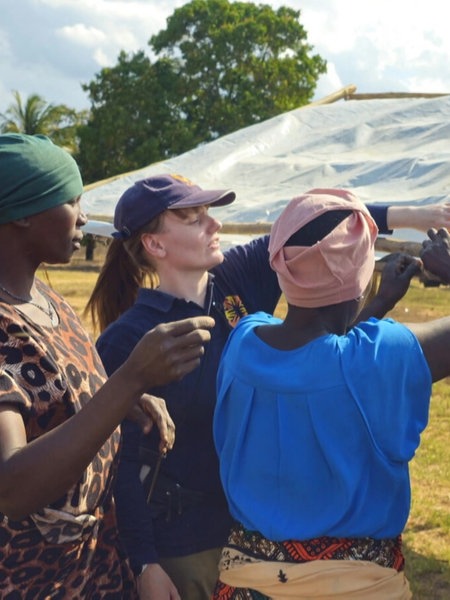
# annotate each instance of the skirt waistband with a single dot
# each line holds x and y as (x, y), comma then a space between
(384, 552)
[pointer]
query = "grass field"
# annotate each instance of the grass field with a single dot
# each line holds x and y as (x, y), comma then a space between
(427, 535)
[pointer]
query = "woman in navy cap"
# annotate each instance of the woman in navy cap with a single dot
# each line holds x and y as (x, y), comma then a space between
(166, 263)
(59, 416)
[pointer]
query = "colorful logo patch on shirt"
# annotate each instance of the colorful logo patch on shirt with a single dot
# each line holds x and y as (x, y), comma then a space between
(234, 309)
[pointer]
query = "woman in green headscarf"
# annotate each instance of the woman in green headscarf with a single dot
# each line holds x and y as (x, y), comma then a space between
(58, 415)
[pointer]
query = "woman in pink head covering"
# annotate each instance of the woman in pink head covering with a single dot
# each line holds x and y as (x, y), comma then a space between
(317, 418)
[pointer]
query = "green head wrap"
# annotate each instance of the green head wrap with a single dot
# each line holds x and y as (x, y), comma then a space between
(35, 175)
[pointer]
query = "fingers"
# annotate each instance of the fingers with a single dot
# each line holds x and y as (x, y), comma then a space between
(179, 368)
(444, 235)
(407, 260)
(435, 253)
(191, 341)
(438, 240)
(431, 233)
(402, 264)
(182, 342)
(170, 351)
(397, 275)
(438, 234)
(413, 267)
(183, 353)
(187, 326)
(156, 408)
(167, 438)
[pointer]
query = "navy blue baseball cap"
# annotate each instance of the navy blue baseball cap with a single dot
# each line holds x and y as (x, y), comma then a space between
(148, 198)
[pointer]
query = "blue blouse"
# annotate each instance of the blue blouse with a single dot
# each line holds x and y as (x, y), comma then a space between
(316, 441)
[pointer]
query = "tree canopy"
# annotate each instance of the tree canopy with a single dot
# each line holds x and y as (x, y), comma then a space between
(219, 66)
(35, 115)
(241, 63)
(134, 119)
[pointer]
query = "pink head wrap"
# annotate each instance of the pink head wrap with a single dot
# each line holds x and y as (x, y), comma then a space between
(334, 269)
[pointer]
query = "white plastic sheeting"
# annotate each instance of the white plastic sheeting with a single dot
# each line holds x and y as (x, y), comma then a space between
(385, 151)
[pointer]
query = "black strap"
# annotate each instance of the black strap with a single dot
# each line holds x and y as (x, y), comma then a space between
(318, 228)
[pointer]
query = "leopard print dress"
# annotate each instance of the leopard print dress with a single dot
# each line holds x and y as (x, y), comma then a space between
(70, 549)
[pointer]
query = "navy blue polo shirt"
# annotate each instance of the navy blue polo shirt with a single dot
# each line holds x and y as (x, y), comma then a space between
(242, 284)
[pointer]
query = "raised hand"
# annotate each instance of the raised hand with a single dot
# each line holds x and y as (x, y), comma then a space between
(396, 277)
(168, 352)
(435, 253)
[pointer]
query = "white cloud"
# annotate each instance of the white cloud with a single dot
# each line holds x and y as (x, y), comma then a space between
(82, 34)
(50, 47)
(5, 47)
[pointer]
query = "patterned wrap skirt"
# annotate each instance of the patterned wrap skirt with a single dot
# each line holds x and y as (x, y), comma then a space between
(255, 568)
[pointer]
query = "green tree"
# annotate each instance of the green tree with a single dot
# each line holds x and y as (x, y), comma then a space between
(34, 115)
(219, 66)
(134, 118)
(240, 63)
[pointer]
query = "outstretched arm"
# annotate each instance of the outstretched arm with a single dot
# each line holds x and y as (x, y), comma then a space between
(418, 217)
(434, 336)
(29, 480)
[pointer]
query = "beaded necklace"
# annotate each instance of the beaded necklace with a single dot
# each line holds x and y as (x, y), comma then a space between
(49, 311)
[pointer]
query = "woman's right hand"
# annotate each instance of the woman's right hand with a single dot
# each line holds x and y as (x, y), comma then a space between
(154, 584)
(168, 352)
(396, 277)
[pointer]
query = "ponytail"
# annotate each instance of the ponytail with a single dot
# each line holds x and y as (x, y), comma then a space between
(125, 270)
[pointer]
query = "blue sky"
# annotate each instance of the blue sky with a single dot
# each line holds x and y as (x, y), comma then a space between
(51, 47)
